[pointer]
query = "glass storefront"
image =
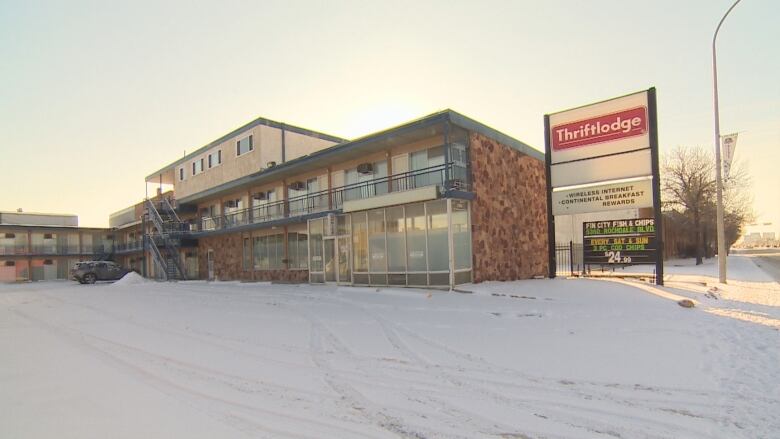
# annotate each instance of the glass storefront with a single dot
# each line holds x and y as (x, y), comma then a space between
(422, 244)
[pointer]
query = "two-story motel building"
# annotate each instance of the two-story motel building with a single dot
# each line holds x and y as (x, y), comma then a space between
(438, 201)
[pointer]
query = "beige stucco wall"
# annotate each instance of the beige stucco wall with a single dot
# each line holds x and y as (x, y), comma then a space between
(337, 171)
(267, 147)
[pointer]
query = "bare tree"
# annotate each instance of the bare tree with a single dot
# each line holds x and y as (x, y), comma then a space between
(688, 185)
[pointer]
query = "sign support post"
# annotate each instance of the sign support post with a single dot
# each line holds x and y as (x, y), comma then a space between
(659, 220)
(552, 267)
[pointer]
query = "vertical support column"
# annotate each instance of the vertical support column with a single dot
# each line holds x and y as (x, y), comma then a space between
(571, 258)
(285, 199)
(450, 242)
(389, 160)
(249, 210)
(659, 237)
(447, 153)
(144, 273)
(286, 241)
(330, 189)
(550, 218)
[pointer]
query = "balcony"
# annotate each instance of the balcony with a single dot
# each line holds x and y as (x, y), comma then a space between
(13, 250)
(55, 250)
(130, 246)
(331, 200)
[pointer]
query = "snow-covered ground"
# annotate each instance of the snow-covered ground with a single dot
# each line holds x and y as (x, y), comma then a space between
(533, 359)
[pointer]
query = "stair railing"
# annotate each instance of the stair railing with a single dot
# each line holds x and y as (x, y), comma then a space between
(155, 215)
(158, 257)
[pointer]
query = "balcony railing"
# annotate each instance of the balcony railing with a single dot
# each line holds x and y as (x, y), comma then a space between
(129, 246)
(331, 199)
(13, 249)
(54, 249)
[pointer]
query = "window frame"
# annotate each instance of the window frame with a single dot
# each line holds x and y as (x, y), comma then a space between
(251, 145)
(214, 159)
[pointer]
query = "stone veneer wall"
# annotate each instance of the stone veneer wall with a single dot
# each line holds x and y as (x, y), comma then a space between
(228, 262)
(509, 212)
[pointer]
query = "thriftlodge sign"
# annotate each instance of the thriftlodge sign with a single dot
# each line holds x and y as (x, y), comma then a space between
(602, 157)
(600, 129)
(604, 141)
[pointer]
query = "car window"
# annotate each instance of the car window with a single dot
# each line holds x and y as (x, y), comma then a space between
(101, 265)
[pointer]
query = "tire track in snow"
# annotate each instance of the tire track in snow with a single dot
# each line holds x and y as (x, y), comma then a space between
(566, 411)
(216, 407)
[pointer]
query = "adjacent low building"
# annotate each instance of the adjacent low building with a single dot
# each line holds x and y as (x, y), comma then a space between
(42, 246)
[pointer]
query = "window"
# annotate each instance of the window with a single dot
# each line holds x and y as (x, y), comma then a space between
(181, 174)
(10, 263)
(376, 241)
(315, 246)
(461, 235)
(10, 236)
(415, 238)
(359, 242)
(197, 166)
(297, 251)
(215, 158)
(244, 145)
(396, 239)
(269, 252)
(438, 244)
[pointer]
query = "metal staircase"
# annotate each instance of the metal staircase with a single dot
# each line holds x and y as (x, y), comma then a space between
(164, 240)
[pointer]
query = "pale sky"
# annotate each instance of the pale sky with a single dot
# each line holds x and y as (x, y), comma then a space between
(96, 95)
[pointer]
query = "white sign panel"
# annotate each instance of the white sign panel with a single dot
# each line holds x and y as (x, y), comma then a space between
(614, 167)
(603, 140)
(614, 196)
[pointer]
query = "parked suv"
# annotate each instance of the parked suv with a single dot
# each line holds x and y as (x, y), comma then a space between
(90, 271)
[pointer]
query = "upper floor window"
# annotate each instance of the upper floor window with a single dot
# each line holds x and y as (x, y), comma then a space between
(197, 166)
(215, 158)
(181, 174)
(244, 145)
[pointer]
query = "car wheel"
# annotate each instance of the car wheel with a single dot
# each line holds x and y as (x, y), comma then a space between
(82, 282)
(90, 278)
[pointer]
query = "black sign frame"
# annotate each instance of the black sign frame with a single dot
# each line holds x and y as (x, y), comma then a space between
(630, 241)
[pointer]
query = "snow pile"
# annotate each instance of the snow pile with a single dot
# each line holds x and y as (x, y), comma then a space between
(131, 278)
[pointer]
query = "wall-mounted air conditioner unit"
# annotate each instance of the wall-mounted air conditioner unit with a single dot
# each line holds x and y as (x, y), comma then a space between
(270, 164)
(365, 168)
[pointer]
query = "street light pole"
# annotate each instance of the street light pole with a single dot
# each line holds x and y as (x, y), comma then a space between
(718, 179)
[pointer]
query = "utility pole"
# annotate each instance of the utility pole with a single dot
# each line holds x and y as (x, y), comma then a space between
(719, 181)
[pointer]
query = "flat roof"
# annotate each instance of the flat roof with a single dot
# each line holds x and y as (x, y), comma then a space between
(37, 213)
(432, 124)
(259, 121)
